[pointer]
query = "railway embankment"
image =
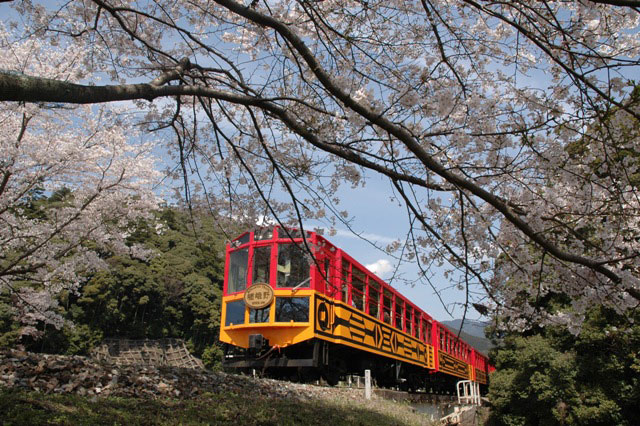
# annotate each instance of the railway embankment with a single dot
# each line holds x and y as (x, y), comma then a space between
(55, 389)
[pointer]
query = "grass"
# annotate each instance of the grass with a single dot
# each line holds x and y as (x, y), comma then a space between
(20, 408)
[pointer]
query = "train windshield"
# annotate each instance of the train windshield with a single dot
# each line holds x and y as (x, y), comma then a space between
(293, 266)
(238, 270)
(261, 263)
(294, 309)
(235, 313)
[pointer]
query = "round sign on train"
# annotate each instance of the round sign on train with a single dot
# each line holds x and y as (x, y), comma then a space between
(258, 296)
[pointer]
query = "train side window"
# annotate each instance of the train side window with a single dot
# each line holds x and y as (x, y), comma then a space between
(398, 316)
(235, 313)
(345, 281)
(327, 273)
(374, 298)
(294, 309)
(293, 266)
(408, 319)
(386, 306)
(238, 261)
(357, 288)
(261, 264)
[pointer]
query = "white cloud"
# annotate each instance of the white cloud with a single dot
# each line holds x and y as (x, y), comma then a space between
(266, 221)
(380, 267)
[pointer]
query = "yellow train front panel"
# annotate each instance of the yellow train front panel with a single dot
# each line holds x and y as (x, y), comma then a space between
(278, 333)
(339, 323)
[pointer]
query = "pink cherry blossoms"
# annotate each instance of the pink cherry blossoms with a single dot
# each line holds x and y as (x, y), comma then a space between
(95, 154)
(508, 130)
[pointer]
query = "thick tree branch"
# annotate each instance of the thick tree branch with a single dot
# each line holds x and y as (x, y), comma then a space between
(624, 3)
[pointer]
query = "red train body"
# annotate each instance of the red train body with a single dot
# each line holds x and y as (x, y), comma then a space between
(324, 313)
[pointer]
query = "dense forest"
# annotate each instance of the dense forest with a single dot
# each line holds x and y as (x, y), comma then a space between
(548, 376)
(171, 290)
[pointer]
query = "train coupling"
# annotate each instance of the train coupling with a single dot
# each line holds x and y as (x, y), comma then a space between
(257, 343)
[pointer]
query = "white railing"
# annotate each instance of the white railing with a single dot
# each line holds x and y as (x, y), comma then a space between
(468, 392)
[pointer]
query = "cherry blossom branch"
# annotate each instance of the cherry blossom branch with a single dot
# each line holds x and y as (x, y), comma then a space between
(413, 145)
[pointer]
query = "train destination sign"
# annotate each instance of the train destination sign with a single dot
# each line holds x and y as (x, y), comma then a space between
(258, 296)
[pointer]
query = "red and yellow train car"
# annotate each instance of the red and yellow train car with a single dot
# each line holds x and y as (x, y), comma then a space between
(296, 302)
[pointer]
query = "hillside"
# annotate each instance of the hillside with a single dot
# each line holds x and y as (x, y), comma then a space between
(472, 333)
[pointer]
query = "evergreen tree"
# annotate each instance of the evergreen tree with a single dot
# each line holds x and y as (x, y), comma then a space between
(551, 377)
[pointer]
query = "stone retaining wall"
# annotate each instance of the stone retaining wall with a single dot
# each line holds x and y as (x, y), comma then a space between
(158, 353)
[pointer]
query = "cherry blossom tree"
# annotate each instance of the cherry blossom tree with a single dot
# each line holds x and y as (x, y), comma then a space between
(71, 180)
(470, 109)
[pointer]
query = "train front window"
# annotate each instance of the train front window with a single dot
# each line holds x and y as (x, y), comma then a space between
(261, 262)
(259, 315)
(293, 266)
(263, 234)
(238, 270)
(235, 313)
(294, 309)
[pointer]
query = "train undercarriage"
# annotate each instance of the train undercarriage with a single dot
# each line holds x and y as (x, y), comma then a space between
(317, 359)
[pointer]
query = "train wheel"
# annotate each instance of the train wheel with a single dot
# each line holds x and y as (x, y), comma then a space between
(332, 377)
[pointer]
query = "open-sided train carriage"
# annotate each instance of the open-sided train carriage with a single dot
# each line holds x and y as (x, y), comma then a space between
(286, 311)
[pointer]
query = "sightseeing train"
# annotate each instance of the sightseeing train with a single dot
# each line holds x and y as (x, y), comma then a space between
(295, 304)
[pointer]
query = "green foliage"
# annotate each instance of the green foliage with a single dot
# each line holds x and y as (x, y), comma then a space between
(9, 329)
(175, 292)
(551, 377)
